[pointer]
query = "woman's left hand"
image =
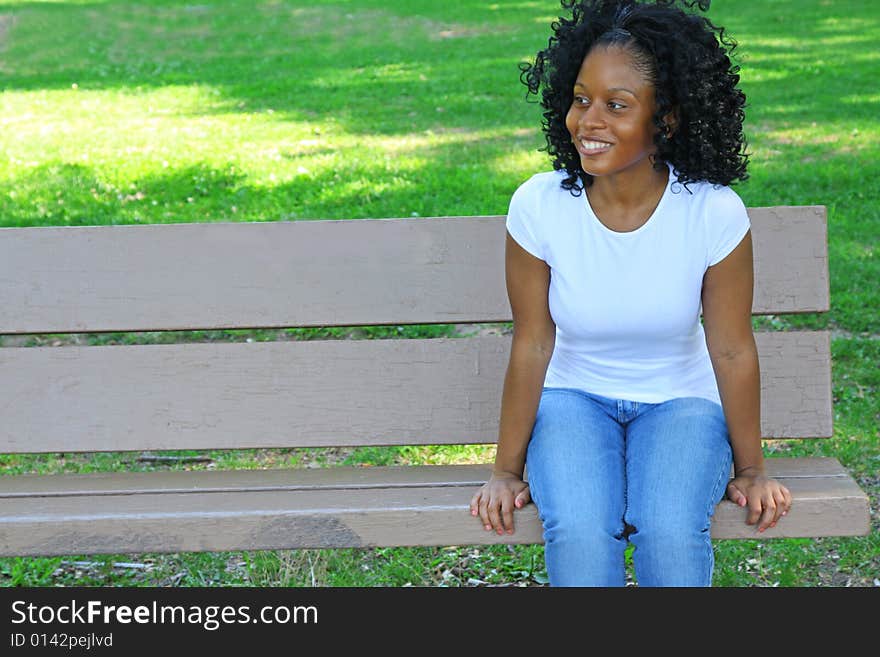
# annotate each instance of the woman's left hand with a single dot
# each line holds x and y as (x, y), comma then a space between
(767, 499)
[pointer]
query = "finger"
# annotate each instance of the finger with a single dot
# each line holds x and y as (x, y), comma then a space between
(523, 498)
(779, 498)
(735, 495)
(769, 513)
(507, 515)
(484, 514)
(475, 504)
(755, 508)
(495, 516)
(788, 500)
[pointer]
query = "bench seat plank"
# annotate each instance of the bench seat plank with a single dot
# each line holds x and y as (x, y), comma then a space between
(336, 507)
(62, 279)
(206, 481)
(287, 394)
(342, 477)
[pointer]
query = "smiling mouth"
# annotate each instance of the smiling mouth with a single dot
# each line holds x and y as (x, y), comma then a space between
(590, 147)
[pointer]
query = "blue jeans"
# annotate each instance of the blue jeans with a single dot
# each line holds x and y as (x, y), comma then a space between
(603, 471)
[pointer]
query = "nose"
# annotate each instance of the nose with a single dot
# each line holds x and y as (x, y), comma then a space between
(590, 116)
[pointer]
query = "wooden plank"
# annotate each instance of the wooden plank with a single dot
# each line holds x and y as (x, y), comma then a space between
(790, 245)
(207, 481)
(316, 393)
(795, 383)
(821, 506)
(291, 479)
(319, 273)
(311, 518)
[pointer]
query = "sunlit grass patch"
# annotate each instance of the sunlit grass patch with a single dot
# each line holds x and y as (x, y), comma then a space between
(119, 113)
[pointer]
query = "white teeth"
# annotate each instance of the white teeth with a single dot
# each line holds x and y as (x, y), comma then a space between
(594, 145)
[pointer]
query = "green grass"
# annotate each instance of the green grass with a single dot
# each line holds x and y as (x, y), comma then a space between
(170, 112)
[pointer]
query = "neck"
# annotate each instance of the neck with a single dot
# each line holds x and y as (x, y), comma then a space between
(629, 189)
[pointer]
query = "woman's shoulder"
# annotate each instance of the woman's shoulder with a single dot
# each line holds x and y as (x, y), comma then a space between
(711, 198)
(543, 183)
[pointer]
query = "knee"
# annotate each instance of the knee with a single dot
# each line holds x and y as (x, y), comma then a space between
(674, 554)
(670, 535)
(577, 527)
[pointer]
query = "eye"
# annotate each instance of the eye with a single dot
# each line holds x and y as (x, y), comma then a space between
(580, 100)
(615, 105)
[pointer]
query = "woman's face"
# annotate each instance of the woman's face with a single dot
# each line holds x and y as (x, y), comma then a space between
(611, 116)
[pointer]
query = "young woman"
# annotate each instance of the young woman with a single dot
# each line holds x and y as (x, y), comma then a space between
(627, 411)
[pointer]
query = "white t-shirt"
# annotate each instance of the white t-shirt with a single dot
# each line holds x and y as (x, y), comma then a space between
(627, 305)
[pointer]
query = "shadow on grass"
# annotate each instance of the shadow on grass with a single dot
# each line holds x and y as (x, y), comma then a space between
(78, 195)
(312, 60)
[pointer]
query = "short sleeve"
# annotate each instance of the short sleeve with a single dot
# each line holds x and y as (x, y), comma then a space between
(521, 221)
(727, 223)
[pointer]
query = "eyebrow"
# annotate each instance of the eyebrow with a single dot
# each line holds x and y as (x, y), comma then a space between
(612, 89)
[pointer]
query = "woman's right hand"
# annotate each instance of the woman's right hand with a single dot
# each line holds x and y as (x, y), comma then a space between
(496, 500)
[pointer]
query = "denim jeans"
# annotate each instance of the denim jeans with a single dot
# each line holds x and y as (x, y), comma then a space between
(603, 471)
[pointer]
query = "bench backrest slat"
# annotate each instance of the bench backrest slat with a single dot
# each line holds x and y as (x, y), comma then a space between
(320, 273)
(316, 393)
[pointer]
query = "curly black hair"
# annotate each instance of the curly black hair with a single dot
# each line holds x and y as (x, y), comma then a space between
(685, 56)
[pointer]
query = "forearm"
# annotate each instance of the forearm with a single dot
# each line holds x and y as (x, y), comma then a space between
(520, 397)
(739, 384)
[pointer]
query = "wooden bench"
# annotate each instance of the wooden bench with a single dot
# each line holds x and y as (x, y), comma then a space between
(321, 393)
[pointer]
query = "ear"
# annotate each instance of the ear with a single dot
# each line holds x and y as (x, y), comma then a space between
(671, 122)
